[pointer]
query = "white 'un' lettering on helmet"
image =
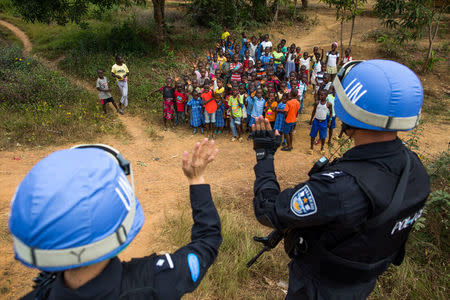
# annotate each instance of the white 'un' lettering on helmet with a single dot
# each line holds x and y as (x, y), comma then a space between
(354, 94)
(125, 185)
(126, 188)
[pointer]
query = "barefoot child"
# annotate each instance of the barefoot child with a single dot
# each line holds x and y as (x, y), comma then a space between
(321, 109)
(332, 60)
(257, 107)
(210, 108)
(196, 105)
(168, 101)
(104, 92)
(280, 114)
(180, 101)
(120, 71)
(291, 109)
(270, 109)
(220, 121)
(332, 117)
(236, 103)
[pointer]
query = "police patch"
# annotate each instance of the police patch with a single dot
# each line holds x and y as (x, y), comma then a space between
(303, 203)
(194, 266)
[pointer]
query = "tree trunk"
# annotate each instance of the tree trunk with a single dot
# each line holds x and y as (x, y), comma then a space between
(355, 7)
(431, 37)
(275, 16)
(295, 9)
(342, 31)
(304, 4)
(158, 14)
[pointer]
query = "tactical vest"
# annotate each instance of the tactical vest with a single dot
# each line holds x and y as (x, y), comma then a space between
(362, 253)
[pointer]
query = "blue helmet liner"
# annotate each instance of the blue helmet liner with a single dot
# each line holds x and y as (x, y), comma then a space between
(378, 95)
(75, 208)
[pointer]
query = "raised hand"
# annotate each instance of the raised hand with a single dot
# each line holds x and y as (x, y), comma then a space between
(195, 167)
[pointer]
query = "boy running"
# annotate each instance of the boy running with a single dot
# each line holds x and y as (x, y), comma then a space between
(104, 92)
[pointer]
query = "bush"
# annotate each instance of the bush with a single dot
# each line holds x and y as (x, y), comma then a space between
(232, 13)
(40, 107)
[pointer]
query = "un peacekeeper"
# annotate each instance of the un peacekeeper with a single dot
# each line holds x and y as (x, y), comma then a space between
(344, 226)
(75, 211)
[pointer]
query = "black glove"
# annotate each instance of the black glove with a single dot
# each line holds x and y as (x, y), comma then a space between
(265, 143)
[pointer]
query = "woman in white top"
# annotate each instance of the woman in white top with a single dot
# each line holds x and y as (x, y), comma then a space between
(252, 47)
(332, 60)
(290, 60)
(266, 43)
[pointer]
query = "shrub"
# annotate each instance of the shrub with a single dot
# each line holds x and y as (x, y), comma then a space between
(40, 107)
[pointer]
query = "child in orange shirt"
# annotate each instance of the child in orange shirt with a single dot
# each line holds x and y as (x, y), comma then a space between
(270, 109)
(291, 110)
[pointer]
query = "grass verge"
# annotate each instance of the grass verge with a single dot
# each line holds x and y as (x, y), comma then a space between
(228, 277)
(40, 107)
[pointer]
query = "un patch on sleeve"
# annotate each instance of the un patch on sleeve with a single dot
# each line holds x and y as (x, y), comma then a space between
(194, 266)
(303, 203)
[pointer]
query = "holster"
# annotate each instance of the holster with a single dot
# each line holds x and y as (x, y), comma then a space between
(295, 244)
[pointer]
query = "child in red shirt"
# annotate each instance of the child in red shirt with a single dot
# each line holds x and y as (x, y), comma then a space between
(180, 101)
(210, 108)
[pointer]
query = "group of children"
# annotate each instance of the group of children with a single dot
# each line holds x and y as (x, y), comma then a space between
(240, 81)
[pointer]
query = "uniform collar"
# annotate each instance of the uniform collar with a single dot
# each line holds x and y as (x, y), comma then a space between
(105, 286)
(373, 150)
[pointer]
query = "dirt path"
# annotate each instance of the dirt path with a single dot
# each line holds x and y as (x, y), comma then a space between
(160, 185)
(27, 46)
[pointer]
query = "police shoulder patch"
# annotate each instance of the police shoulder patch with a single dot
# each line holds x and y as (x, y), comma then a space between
(194, 266)
(303, 203)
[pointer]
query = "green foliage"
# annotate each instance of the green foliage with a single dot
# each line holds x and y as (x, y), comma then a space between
(232, 13)
(40, 107)
(61, 11)
(6, 6)
(410, 19)
(346, 9)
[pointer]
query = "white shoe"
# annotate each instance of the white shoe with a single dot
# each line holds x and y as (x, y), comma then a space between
(233, 139)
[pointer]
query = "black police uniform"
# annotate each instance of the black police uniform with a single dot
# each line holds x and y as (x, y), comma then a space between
(335, 255)
(168, 276)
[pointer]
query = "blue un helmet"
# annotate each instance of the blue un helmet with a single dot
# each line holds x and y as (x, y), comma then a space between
(380, 95)
(75, 208)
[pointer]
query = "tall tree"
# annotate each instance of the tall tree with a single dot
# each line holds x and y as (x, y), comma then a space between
(158, 14)
(304, 4)
(346, 10)
(414, 18)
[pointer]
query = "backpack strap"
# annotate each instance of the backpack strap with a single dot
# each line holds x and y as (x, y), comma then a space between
(362, 171)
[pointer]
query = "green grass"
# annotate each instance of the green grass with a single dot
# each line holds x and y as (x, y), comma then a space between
(228, 277)
(40, 107)
(131, 33)
(423, 274)
(7, 38)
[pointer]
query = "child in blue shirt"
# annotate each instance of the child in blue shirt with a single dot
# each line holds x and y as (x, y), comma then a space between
(220, 121)
(265, 59)
(196, 105)
(258, 106)
(279, 121)
(302, 88)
